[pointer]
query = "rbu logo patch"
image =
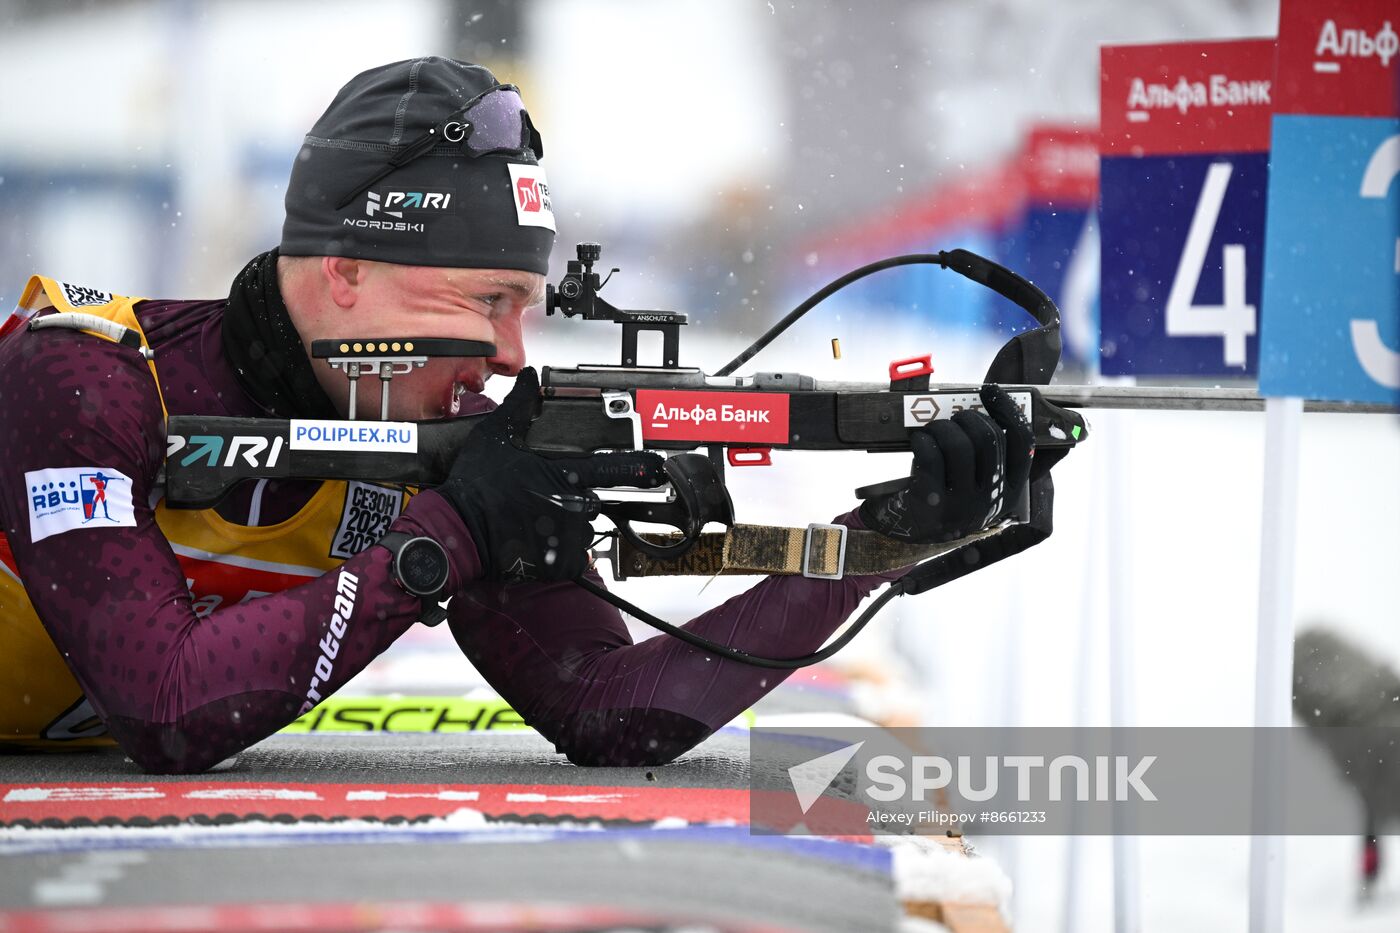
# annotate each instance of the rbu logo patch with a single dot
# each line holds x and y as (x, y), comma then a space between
(79, 497)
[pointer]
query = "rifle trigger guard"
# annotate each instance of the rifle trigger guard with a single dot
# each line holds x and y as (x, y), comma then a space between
(701, 498)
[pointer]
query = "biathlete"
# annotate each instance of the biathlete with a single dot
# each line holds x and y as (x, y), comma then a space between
(416, 206)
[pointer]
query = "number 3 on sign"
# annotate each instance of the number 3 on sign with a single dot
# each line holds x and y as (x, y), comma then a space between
(1380, 362)
(1233, 319)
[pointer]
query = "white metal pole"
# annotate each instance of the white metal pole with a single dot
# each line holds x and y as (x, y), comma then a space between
(1122, 678)
(1013, 858)
(1273, 673)
(1086, 674)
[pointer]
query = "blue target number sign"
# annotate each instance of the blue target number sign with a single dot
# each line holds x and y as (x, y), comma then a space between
(1183, 180)
(1332, 277)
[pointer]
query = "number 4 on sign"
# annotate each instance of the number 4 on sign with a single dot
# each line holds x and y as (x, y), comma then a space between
(1233, 320)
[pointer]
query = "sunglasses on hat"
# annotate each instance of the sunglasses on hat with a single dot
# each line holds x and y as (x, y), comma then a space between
(491, 123)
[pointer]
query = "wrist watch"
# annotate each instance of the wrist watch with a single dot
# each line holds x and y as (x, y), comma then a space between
(419, 565)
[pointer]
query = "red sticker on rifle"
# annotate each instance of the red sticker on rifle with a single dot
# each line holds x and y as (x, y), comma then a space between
(750, 418)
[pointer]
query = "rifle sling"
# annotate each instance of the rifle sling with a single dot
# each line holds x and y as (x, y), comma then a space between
(774, 550)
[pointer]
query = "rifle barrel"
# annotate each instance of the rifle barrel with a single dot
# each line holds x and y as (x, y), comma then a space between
(1179, 398)
(1146, 398)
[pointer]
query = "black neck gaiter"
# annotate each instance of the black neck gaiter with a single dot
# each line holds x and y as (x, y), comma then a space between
(265, 348)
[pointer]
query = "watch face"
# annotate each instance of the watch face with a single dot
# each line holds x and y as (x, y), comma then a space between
(423, 567)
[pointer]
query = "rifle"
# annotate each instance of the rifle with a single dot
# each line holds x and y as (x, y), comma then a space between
(666, 407)
(678, 410)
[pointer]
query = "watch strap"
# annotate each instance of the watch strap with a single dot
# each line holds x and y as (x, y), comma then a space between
(394, 541)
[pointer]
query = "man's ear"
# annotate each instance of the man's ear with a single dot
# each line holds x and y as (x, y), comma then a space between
(343, 276)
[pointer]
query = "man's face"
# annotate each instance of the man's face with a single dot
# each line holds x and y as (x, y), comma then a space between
(428, 301)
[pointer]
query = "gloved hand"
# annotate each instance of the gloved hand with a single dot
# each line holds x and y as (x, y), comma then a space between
(967, 475)
(529, 514)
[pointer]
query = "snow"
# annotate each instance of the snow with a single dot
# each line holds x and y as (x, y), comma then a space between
(925, 870)
(260, 833)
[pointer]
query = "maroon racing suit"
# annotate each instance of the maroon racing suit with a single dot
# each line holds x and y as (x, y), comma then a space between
(180, 691)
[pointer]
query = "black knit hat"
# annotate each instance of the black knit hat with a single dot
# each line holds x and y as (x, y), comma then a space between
(419, 163)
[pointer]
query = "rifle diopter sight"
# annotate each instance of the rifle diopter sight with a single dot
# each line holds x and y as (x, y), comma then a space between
(577, 295)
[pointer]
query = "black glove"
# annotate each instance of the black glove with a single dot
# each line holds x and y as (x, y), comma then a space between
(968, 473)
(529, 514)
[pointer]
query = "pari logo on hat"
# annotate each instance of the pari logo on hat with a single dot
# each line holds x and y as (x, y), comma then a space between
(394, 203)
(532, 207)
